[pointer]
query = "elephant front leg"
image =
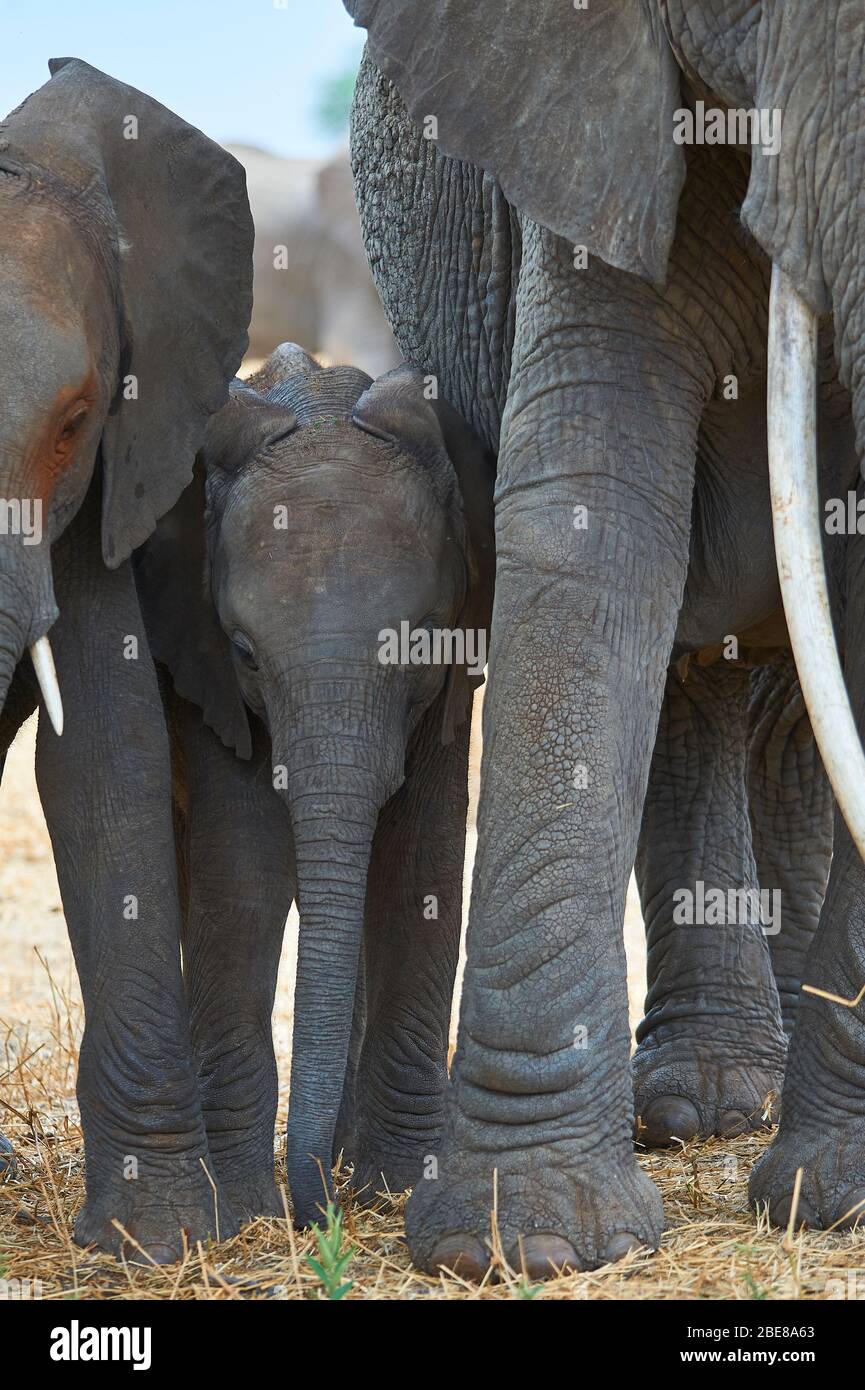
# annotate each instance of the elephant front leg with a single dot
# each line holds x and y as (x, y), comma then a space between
(710, 1058)
(411, 947)
(822, 1126)
(791, 822)
(105, 790)
(592, 527)
(240, 881)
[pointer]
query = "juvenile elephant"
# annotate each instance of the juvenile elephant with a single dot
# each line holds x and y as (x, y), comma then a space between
(125, 290)
(610, 297)
(330, 514)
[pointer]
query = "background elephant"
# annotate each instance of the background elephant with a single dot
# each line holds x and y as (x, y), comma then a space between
(586, 289)
(125, 292)
(337, 508)
(312, 282)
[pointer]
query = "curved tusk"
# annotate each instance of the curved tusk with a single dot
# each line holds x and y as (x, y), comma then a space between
(792, 419)
(43, 665)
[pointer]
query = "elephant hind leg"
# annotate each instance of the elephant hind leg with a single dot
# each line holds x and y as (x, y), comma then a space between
(710, 1055)
(791, 822)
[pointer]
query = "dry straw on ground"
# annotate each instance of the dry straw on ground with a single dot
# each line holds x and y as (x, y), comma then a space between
(714, 1248)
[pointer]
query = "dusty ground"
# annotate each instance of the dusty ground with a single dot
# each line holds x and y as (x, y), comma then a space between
(713, 1249)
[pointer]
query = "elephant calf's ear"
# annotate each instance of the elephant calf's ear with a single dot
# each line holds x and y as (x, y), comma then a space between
(244, 426)
(396, 408)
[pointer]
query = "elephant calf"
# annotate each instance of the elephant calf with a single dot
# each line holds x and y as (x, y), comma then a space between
(337, 529)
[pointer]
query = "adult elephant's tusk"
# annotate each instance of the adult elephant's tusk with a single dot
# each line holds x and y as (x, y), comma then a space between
(43, 665)
(792, 417)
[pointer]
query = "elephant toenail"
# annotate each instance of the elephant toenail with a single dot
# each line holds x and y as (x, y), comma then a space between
(461, 1253)
(851, 1212)
(731, 1123)
(154, 1254)
(780, 1212)
(620, 1245)
(544, 1255)
(666, 1119)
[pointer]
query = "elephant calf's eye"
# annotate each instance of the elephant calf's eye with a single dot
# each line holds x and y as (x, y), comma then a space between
(244, 650)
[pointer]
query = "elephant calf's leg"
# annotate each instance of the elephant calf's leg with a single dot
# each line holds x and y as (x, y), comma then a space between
(411, 946)
(240, 877)
(791, 822)
(710, 1058)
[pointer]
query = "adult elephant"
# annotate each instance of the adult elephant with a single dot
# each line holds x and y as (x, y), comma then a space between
(125, 292)
(312, 283)
(595, 298)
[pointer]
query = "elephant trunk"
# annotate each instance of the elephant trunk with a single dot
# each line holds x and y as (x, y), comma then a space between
(792, 423)
(336, 789)
(27, 611)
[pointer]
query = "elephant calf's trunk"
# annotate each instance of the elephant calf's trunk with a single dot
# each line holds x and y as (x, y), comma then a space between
(333, 842)
(792, 419)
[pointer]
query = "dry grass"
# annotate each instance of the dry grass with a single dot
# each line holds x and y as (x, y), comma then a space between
(713, 1249)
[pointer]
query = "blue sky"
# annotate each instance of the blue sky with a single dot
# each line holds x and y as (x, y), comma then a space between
(241, 70)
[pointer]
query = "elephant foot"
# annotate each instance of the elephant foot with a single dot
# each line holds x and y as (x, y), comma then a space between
(253, 1196)
(8, 1161)
(160, 1215)
(688, 1088)
(549, 1218)
(832, 1191)
(379, 1172)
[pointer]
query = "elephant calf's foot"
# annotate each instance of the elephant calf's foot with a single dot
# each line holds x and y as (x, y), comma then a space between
(160, 1207)
(551, 1215)
(832, 1192)
(381, 1168)
(253, 1195)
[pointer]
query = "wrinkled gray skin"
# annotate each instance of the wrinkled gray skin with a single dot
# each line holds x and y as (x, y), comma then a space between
(279, 651)
(603, 387)
(322, 296)
(125, 262)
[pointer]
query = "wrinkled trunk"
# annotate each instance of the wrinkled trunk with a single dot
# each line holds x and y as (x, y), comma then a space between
(334, 811)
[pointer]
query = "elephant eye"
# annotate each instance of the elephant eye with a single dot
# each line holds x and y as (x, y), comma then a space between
(72, 424)
(244, 649)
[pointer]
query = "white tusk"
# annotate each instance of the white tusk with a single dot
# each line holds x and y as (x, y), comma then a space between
(792, 422)
(43, 665)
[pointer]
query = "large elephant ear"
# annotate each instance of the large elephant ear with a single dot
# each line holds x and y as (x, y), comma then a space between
(185, 236)
(395, 407)
(791, 208)
(571, 109)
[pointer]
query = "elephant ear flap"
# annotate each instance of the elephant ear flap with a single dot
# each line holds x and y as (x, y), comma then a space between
(590, 151)
(172, 574)
(396, 408)
(185, 238)
(245, 425)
